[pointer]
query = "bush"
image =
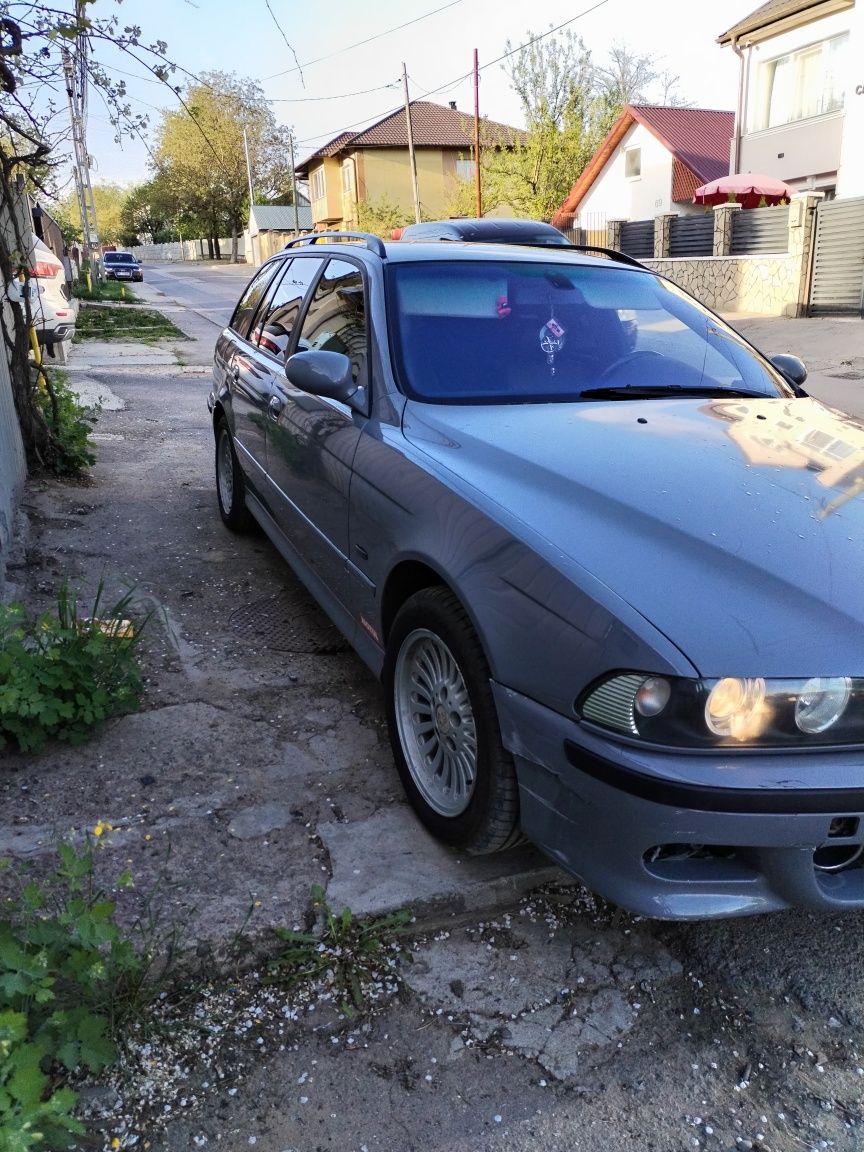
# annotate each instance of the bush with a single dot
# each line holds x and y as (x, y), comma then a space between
(70, 424)
(62, 674)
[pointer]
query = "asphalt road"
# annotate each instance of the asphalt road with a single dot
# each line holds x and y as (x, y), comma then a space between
(210, 289)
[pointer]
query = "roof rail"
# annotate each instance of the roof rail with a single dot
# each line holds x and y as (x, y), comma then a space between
(612, 253)
(373, 243)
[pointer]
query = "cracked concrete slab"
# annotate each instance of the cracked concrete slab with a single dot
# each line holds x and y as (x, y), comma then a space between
(556, 997)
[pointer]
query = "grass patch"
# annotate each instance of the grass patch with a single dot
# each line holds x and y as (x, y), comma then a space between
(122, 323)
(104, 290)
(71, 423)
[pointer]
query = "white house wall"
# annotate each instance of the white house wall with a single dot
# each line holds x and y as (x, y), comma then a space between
(803, 150)
(618, 197)
(850, 177)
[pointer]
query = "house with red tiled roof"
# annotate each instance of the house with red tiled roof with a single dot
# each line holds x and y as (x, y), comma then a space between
(373, 165)
(801, 94)
(651, 161)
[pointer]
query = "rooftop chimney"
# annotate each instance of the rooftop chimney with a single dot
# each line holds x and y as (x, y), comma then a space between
(453, 105)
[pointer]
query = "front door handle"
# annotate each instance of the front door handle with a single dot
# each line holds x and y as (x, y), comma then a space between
(275, 407)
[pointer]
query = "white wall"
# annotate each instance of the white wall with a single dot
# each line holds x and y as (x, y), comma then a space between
(636, 198)
(802, 150)
(850, 177)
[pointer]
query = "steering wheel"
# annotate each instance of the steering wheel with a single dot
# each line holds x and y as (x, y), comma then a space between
(628, 361)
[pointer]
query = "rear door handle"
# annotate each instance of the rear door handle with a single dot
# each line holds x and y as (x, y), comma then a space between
(275, 407)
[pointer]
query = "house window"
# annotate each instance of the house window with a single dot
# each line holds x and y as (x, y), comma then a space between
(465, 170)
(801, 84)
(633, 163)
(317, 184)
(348, 178)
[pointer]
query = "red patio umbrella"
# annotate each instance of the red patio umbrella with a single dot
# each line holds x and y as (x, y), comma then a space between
(748, 189)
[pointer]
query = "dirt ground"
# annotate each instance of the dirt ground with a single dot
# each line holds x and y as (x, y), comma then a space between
(258, 766)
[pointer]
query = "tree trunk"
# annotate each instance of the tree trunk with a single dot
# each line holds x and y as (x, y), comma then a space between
(210, 247)
(234, 256)
(216, 243)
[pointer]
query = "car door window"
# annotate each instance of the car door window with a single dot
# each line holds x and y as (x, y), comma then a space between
(251, 298)
(275, 323)
(335, 320)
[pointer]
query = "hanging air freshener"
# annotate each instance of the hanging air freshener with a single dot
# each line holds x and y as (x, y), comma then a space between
(552, 337)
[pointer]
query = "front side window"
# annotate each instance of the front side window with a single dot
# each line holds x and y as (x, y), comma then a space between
(336, 318)
(802, 84)
(251, 298)
(275, 322)
(492, 332)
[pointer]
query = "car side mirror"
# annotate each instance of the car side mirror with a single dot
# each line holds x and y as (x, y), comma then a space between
(322, 374)
(791, 367)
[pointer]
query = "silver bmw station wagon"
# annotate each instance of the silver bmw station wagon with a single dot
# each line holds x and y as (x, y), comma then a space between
(607, 559)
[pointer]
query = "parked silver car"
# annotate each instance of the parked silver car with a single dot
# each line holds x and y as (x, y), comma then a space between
(606, 557)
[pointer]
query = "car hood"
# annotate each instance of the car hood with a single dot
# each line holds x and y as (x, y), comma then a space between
(736, 527)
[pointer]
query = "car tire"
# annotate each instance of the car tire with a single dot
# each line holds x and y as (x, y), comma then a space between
(230, 483)
(444, 729)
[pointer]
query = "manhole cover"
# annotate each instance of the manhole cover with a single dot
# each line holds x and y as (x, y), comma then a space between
(289, 621)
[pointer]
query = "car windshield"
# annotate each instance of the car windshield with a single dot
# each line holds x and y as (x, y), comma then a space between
(119, 258)
(492, 332)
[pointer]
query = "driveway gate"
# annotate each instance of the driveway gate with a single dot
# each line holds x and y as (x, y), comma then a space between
(837, 279)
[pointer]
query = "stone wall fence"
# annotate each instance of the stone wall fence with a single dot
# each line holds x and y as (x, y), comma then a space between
(766, 283)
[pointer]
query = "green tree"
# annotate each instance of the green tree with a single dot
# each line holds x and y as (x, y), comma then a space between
(569, 104)
(108, 200)
(200, 157)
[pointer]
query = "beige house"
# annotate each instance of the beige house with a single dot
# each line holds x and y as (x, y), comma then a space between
(371, 166)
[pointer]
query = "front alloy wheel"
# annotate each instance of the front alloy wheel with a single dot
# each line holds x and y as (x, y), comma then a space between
(443, 725)
(436, 722)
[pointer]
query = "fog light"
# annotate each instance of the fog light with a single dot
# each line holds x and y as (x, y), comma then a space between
(822, 702)
(653, 696)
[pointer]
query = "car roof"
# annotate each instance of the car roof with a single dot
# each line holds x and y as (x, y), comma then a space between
(432, 251)
(487, 229)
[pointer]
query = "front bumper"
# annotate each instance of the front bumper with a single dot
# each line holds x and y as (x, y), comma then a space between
(683, 836)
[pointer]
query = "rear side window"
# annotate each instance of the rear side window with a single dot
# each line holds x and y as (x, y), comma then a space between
(251, 298)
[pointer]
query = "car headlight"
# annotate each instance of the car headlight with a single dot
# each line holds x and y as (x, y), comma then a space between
(727, 712)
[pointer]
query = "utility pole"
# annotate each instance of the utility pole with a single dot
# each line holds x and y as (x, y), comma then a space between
(411, 156)
(294, 185)
(248, 170)
(477, 135)
(75, 73)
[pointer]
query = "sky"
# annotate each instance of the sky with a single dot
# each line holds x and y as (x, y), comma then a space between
(340, 86)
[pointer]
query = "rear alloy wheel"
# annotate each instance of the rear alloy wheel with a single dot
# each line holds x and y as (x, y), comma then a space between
(230, 485)
(444, 727)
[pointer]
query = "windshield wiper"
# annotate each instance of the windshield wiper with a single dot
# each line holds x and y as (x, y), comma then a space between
(649, 391)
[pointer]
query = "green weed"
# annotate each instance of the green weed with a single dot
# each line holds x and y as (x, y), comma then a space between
(68, 977)
(70, 424)
(63, 673)
(104, 290)
(346, 955)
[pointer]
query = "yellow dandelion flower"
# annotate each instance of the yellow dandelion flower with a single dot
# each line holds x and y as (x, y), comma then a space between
(115, 1143)
(102, 827)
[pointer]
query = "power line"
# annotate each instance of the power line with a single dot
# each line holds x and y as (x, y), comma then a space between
(458, 80)
(368, 40)
(341, 96)
(299, 67)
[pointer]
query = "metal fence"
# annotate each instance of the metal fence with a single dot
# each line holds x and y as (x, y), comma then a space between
(637, 238)
(757, 230)
(692, 235)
